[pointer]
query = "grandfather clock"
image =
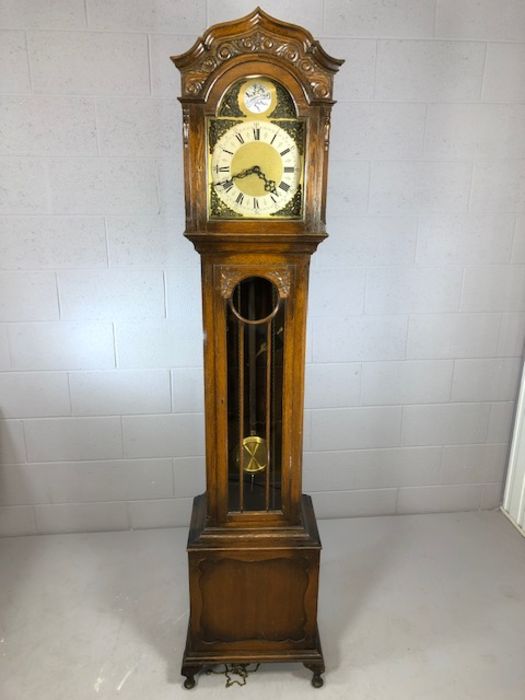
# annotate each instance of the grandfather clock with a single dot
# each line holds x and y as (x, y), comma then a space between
(256, 100)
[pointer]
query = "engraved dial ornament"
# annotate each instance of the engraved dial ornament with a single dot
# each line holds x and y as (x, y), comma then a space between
(256, 153)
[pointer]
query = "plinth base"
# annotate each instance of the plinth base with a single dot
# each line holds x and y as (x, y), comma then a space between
(253, 597)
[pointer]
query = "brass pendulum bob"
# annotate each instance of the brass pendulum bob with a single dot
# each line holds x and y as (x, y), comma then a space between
(254, 455)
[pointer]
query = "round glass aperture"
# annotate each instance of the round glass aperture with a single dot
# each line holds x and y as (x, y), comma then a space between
(255, 300)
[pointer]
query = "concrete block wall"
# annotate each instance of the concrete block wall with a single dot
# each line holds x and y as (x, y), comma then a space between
(417, 305)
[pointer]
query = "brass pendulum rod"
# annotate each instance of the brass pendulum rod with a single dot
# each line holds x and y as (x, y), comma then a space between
(252, 364)
(268, 397)
(241, 413)
(252, 368)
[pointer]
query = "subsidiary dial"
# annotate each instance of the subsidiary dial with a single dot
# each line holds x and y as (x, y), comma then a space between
(257, 98)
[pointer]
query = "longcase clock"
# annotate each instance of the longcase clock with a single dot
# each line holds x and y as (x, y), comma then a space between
(256, 100)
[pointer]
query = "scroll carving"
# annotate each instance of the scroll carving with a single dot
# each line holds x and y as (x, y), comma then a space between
(258, 33)
(259, 42)
(230, 276)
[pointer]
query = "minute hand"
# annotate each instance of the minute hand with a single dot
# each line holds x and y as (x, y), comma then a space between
(269, 185)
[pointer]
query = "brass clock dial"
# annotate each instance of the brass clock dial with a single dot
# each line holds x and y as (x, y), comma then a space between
(255, 162)
(255, 168)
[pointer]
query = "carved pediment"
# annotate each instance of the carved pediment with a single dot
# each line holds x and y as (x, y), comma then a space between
(257, 33)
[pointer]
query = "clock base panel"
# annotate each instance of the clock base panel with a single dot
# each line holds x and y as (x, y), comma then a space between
(253, 595)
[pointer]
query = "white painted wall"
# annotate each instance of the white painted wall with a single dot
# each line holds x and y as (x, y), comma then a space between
(514, 497)
(417, 299)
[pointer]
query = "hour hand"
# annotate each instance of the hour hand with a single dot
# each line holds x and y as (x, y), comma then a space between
(226, 184)
(254, 170)
(269, 185)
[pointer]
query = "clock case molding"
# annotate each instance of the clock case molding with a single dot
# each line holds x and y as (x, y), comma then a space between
(254, 575)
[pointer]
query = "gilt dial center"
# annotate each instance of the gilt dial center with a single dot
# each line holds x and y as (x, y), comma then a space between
(252, 155)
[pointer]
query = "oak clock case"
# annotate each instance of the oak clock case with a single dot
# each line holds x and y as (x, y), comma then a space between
(256, 100)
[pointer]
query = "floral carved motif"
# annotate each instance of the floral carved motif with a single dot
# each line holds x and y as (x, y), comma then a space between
(185, 126)
(301, 58)
(229, 277)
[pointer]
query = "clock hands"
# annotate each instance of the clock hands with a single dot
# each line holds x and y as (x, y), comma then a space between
(269, 185)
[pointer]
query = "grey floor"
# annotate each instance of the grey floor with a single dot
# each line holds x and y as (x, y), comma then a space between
(427, 607)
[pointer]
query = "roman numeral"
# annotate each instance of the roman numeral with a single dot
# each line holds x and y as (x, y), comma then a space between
(227, 184)
(289, 170)
(286, 150)
(256, 133)
(240, 198)
(273, 198)
(227, 151)
(284, 186)
(222, 169)
(239, 138)
(255, 203)
(274, 137)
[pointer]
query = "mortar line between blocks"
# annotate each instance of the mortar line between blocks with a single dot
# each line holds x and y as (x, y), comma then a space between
(35, 522)
(148, 51)
(348, 36)
(121, 436)
(68, 375)
(106, 241)
(401, 428)
(441, 458)
(424, 139)
(165, 292)
(128, 514)
(462, 290)
(97, 124)
(115, 348)
(370, 166)
(57, 290)
(452, 375)
(396, 500)
(499, 334)
(481, 493)
(341, 100)
(173, 477)
(434, 18)
(170, 374)
(374, 89)
(483, 72)
(513, 242)
(28, 61)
